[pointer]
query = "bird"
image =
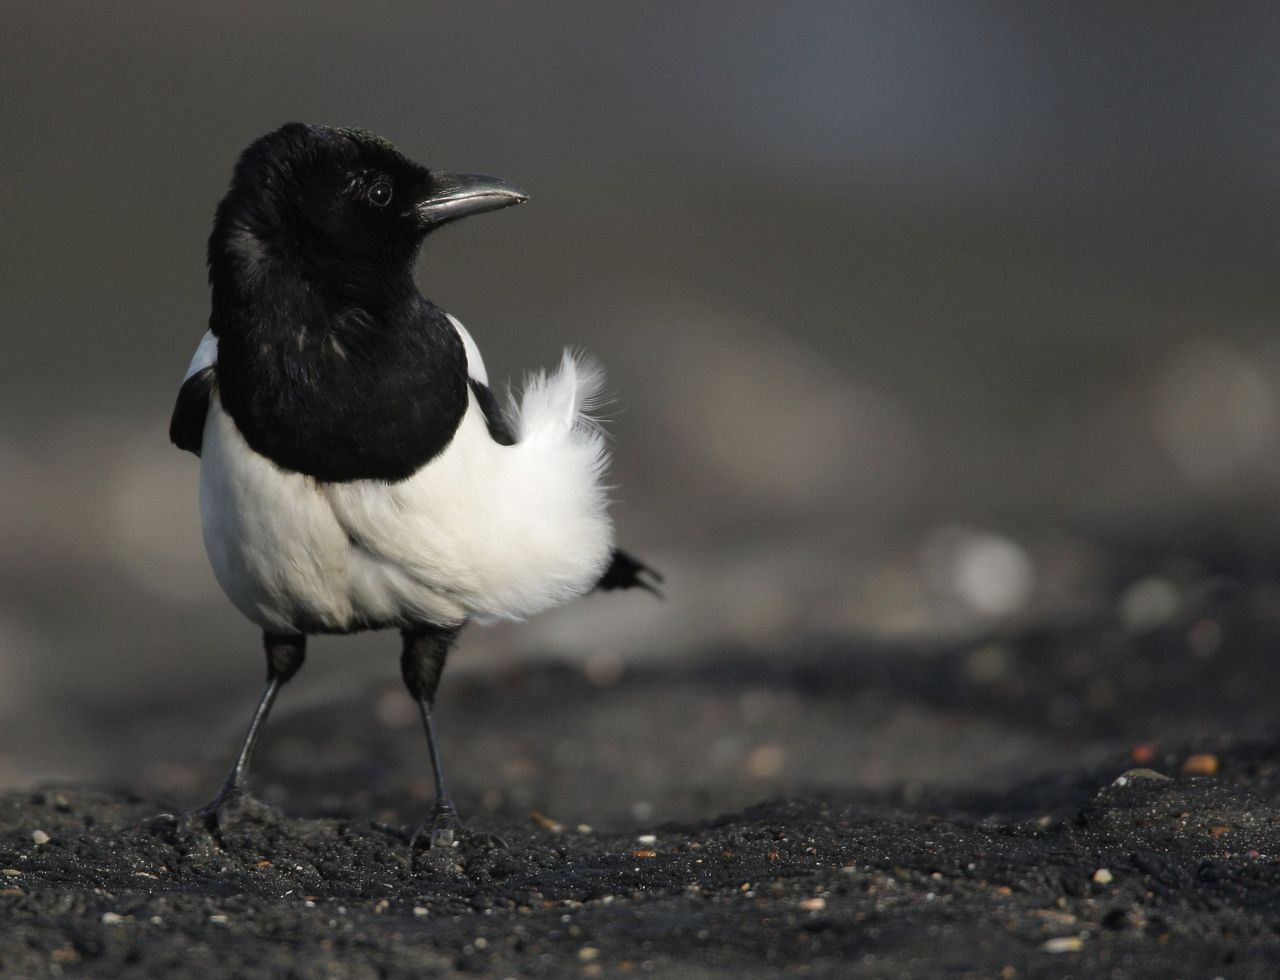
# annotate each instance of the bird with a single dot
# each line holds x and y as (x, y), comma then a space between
(357, 471)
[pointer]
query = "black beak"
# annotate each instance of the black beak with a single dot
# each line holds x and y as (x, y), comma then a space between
(452, 196)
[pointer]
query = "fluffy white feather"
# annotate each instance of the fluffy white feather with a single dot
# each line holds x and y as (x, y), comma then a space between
(483, 531)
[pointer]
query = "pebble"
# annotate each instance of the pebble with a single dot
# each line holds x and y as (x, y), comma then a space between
(1103, 877)
(647, 839)
(1063, 944)
(421, 912)
(546, 823)
(766, 761)
(112, 918)
(1134, 775)
(1149, 603)
(588, 953)
(814, 904)
(40, 837)
(218, 920)
(1200, 764)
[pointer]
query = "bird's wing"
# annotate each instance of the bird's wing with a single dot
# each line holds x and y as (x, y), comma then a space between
(478, 378)
(186, 427)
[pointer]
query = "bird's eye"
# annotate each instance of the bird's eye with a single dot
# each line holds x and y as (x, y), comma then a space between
(380, 194)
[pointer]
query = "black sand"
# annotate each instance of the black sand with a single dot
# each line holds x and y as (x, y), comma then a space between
(1035, 848)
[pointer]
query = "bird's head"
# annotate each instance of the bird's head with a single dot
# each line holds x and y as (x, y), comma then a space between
(334, 202)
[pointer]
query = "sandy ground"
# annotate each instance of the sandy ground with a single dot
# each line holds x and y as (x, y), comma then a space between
(1085, 797)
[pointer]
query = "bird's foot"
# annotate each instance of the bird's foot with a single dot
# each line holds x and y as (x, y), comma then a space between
(445, 830)
(229, 807)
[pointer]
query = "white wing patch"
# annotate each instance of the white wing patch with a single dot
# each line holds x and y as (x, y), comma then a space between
(206, 355)
(475, 363)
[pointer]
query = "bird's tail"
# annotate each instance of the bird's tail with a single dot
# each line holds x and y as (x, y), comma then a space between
(557, 406)
(550, 528)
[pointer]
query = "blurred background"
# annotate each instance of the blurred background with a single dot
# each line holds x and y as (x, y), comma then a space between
(924, 321)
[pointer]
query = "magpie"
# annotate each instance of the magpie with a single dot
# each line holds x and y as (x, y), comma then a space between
(356, 469)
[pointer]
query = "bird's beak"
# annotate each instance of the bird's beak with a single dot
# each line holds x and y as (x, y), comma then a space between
(452, 196)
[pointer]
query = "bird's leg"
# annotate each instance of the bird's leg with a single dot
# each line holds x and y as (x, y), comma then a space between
(425, 650)
(285, 655)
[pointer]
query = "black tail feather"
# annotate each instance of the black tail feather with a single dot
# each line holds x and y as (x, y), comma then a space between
(626, 572)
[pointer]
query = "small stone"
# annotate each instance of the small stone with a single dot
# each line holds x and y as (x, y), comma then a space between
(546, 823)
(1144, 754)
(1148, 604)
(766, 761)
(1200, 764)
(218, 920)
(816, 904)
(1103, 877)
(1137, 775)
(586, 828)
(647, 839)
(40, 837)
(10, 872)
(1063, 944)
(644, 852)
(588, 953)
(112, 918)
(420, 912)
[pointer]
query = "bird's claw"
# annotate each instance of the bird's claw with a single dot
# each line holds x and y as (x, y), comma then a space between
(445, 831)
(227, 808)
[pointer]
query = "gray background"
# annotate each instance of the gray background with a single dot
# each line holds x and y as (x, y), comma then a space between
(906, 307)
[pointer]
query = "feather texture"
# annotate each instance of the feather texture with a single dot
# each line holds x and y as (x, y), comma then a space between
(483, 531)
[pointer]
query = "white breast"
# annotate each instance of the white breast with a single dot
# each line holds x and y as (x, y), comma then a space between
(482, 531)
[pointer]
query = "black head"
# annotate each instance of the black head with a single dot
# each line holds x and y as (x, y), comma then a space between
(330, 361)
(331, 203)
